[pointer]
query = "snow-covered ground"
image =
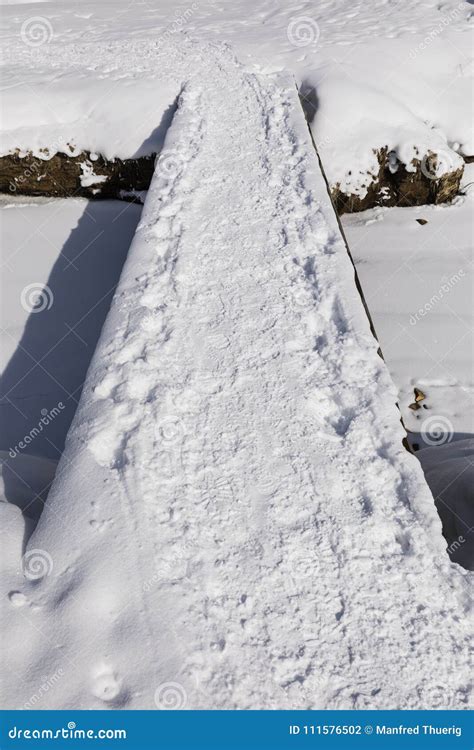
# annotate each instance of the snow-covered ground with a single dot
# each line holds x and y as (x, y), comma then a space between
(235, 523)
(60, 262)
(75, 78)
(418, 281)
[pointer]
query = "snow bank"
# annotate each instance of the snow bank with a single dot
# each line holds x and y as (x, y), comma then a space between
(379, 94)
(379, 120)
(234, 522)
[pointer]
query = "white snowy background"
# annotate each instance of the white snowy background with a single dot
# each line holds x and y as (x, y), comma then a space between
(338, 592)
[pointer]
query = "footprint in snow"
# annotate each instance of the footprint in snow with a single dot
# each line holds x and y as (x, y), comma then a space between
(108, 687)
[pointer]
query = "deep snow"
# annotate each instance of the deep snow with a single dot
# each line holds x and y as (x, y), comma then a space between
(419, 285)
(235, 522)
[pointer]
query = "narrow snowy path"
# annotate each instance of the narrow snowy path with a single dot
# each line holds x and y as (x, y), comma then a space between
(235, 523)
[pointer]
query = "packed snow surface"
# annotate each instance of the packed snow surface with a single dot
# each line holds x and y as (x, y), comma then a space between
(105, 76)
(234, 522)
(418, 281)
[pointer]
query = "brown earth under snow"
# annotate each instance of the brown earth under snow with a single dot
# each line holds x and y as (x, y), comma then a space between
(95, 177)
(401, 187)
(66, 176)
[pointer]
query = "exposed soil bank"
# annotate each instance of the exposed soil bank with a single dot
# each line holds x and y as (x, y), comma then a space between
(91, 176)
(395, 185)
(85, 175)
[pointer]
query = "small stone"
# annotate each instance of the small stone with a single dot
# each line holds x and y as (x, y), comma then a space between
(422, 221)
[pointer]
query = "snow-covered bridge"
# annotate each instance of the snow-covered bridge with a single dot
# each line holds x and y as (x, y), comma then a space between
(244, 526)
